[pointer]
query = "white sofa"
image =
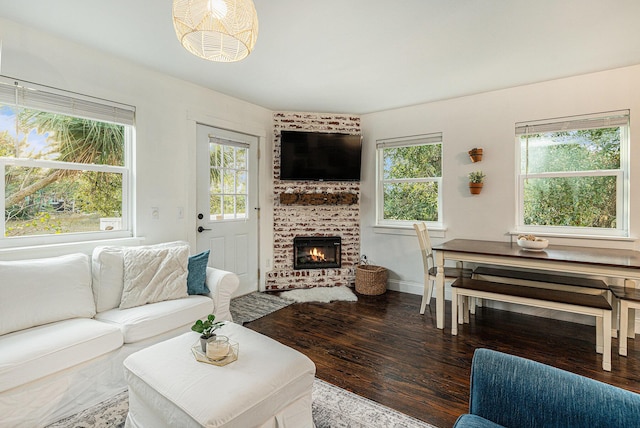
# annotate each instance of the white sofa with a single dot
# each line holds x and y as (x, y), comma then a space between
(63, 335)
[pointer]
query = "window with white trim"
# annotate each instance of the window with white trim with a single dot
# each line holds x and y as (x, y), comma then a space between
(573, 175)
(410, 180)
(66, 164)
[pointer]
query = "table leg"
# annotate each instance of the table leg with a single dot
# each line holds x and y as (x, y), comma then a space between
(631, 326)
(615, 308)
(599, 335)
(606, 355)
(439, 289)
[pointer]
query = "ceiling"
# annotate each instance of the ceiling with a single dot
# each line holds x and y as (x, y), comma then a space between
(361, 56)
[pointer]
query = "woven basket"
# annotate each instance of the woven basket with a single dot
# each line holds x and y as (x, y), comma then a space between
(371, 280)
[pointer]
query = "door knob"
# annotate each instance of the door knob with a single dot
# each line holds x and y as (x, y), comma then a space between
(202, 229)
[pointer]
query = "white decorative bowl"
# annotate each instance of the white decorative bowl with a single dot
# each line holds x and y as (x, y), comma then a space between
(539, 244)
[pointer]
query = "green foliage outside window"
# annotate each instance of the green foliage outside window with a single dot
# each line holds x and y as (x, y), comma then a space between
(42, 200)
(407, 195)
(228, 178)
(582, 199)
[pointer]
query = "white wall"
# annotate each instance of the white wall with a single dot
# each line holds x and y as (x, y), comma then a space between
(166, 113)
(487, 120)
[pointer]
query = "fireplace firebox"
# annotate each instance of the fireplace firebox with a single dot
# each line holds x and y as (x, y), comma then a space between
(316, 252)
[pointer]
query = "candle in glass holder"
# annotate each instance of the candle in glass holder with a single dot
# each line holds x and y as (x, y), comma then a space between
(218, 348)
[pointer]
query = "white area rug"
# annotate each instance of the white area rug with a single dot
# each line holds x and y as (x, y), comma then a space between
(320, 294)
(333, 407)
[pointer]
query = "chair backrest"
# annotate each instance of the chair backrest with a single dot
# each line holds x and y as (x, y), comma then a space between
(425, 246)
(516, 392)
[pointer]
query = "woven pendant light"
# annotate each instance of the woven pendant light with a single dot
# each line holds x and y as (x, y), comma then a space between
(216, 30)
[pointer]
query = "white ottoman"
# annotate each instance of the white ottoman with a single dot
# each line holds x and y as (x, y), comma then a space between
(268, 386)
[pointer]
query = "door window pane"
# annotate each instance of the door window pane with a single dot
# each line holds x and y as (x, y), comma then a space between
(229, 180)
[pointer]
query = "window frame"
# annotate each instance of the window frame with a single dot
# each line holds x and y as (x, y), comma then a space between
(409, 141)
(619, 119)
(42, 98)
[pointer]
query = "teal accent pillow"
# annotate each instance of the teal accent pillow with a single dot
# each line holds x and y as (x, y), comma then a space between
(197, 277)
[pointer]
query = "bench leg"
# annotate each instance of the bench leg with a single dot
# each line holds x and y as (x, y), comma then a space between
(466, 303)
(624, 326)
(606, 355)
(454, 311)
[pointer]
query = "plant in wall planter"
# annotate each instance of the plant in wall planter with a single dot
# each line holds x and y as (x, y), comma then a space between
(206, 329)
(475, 154)
(476, 181)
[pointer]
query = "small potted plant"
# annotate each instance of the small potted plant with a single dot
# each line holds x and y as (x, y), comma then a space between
(206, 329)
(476, 181)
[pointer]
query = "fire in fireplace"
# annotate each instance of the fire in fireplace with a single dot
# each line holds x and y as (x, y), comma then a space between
(316, 252)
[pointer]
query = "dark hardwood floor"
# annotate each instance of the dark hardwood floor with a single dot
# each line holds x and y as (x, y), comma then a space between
(382, 348)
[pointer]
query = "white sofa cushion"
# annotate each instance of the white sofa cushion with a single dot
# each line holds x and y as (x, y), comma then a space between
(107, 269)
(62, 285)
(146, 321)
(154, 275)
(40, 351)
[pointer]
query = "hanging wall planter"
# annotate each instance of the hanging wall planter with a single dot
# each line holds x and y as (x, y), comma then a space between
(476, 181)
(475, 154)
(475, 188)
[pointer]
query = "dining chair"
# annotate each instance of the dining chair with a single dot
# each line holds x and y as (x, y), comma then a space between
(428, 262)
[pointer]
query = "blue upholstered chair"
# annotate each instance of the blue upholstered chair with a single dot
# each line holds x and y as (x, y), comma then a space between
(515, 392)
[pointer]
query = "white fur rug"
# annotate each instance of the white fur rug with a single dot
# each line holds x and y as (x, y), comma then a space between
(320, 294)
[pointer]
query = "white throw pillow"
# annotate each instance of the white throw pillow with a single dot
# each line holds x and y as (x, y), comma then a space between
(107, 270)
(108, 273)
(154, 275)
(41, 291)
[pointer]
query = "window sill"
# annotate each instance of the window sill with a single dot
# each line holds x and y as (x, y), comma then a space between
(52, 250)
(576, 236)
(435, 232)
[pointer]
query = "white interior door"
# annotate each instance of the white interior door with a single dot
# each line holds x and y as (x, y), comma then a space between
(227, 202)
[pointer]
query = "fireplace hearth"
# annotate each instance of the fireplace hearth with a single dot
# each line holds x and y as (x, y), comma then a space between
(316, 252)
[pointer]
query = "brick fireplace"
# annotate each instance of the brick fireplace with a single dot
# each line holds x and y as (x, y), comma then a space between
(313, 209)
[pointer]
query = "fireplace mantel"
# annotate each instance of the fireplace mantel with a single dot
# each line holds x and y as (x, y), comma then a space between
(324, 198)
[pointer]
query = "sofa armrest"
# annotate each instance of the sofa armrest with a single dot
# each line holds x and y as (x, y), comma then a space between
(221, 285)
(516, 392)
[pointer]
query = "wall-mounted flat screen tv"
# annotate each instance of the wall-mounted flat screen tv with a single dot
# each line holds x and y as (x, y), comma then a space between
(320, 156)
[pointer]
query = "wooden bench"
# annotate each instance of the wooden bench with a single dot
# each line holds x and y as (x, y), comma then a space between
(541, 279)
(595, 305)
(629, 298)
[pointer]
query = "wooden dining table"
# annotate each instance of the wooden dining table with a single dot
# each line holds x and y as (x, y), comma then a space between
(588, 261)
